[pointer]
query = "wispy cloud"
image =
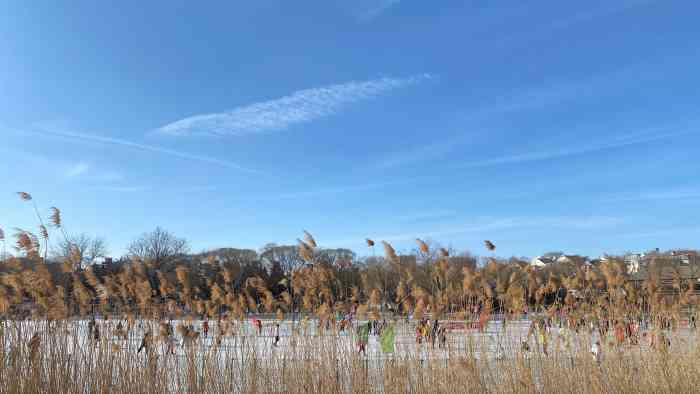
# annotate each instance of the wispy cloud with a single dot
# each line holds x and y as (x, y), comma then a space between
(159, 189)
(77, 170)
(441, 148)
(574, 150)
(426, 215)
(324, 191)
(122, 189)
(664, 234)
(60, 168)
(571, 17)
(544, 96)
(688, 193)
(496, 225)
(418, 153)
(136, 146)
(300, 107)
(588, 15)
(437, 233)
(376, 8)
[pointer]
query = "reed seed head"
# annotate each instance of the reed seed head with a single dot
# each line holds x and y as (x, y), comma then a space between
(24, 196)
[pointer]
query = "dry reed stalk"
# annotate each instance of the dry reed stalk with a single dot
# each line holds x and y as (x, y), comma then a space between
(24, 196)
(309, 240)
(390, 253)
(305, 251)
(422, 246)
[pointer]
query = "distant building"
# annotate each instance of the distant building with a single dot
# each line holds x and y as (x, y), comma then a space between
(541, 261)
(633, 261)
(669, 270)
(572, 259)
(638, 261)
(684, 256)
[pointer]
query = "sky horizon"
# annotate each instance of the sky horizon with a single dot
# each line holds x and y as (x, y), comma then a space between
(551, 126)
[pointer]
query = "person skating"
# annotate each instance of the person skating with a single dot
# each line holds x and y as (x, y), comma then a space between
(434, 333)
(442, 333)
(145, 342)
(257, 323)
(277, 335)
(363, 337)
(166, 333)
(96, 333)
(500, 352)
(543, 339)
(205, 328)
(120, 332)
(597, 352)
(619, 333)
(91, 327)
(525, 347)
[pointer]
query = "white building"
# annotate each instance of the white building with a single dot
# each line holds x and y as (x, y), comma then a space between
(633, 262)
(541, 261)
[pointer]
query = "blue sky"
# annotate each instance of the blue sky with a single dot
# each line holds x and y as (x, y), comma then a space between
(544, 126)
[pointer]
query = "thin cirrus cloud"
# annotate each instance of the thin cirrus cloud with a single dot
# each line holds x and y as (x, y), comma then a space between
(77, 170)
(673, 194)
(302, 106)
(123, 189)
(143, 189)
(334, 190)
(574, 223)
(668, 233)
(441, 148)
(422, 216)
(376, 8)
(587, 14)
(621, 142)
(137, 146)
(61, 169)
(529, 99)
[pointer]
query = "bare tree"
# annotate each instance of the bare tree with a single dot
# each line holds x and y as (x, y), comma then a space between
(158, 247)
(81, 247)
(339, 257)
(286, 255)
(231, 255)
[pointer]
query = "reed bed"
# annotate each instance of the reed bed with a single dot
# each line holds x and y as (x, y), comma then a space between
(48, 341)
